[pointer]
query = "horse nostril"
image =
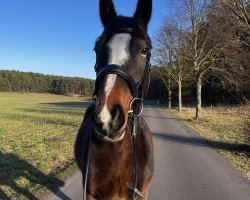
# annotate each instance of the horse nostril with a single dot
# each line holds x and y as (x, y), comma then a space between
(98, 123)
(118, 117)
(99, 126)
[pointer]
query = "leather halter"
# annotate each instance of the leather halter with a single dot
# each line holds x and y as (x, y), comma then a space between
(138, 93)
(116, 69)
(136, 89)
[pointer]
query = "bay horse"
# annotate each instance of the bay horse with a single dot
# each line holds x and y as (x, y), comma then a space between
(114, 148)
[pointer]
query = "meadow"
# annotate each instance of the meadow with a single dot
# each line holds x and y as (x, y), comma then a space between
(37, 133)
(227, 129)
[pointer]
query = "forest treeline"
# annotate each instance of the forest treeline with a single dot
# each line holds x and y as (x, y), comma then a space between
(16, 81)
(213, 93)
(202, 54)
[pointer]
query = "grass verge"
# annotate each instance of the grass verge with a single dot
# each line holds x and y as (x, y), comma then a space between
(229, 127)
(37, 133)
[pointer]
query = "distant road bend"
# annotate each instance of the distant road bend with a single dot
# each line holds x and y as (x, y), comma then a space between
(186, 168)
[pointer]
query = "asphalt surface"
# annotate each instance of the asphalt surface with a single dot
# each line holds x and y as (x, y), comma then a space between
(186, 167)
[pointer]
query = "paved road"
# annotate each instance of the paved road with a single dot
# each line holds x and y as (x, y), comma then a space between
(186, 168)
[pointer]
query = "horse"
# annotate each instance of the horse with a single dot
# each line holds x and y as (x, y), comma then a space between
(113, 147)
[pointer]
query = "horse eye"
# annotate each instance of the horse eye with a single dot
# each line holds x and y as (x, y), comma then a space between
(144, 51)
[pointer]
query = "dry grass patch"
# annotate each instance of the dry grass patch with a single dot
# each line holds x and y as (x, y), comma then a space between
(228, 126)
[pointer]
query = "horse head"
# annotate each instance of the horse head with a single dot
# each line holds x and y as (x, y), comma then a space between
(122, 67)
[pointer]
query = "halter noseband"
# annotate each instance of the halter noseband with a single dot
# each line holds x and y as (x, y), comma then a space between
(116, 69)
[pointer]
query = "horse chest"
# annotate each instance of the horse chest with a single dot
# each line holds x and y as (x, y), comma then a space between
(112, 161)
(110, 169)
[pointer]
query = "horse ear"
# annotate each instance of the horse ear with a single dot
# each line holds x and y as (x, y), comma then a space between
(107, 11)
(143, 12)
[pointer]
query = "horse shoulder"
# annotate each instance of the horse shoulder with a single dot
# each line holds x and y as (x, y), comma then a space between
(146, 134)
(146, 147)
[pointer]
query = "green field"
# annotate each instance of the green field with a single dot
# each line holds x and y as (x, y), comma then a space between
(227, 129)
(37, 133)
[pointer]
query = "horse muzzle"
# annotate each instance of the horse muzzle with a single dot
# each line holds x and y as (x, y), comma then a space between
(108, 124)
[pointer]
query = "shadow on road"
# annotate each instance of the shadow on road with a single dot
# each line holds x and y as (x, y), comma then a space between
(14, 170)
(244, 148)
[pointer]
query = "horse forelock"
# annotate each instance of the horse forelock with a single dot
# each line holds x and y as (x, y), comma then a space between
(115, 26)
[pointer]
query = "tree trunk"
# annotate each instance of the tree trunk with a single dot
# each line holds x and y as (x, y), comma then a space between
(179, 96)
(169, 92)
(198, 96)
(169, 99)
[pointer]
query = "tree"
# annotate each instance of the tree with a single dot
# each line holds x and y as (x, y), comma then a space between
(165, 74)
(181, 69)
(211, 40)
(163, 54)
(235, 57)
(170, 55)
(203, 48)
(241, 10)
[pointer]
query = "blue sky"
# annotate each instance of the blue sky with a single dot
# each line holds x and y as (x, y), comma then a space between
(57, 36)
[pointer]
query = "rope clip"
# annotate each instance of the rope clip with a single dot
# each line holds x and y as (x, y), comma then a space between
(133, 108)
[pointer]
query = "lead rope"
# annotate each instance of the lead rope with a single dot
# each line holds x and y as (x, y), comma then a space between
(134, 189)
(135, 155)
(85, 180)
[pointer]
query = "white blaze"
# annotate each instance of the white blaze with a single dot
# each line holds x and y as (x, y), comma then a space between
(119, 49)
(119, 54)
(104, 115)
(109, 85)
